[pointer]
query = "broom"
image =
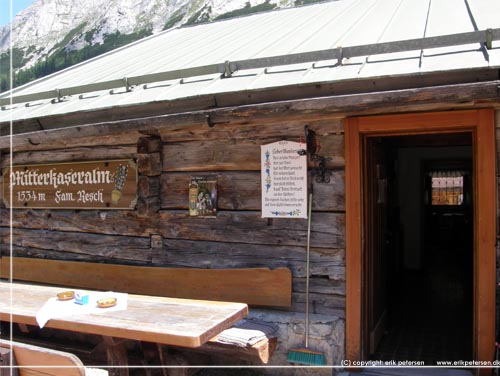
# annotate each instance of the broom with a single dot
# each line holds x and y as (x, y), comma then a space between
(306, 355)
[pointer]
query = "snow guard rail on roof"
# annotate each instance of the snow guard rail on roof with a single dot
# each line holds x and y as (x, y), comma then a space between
(226, 69)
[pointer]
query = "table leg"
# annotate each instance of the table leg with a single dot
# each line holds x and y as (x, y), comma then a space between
(162, 359)
(117, 356)
(153, 355)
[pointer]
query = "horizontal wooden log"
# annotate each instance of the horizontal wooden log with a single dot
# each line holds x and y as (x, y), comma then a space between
(110, 247)
(83, 118)
(321, 285)
(327, 229)
(233, 154)
(262, 129)
(241, 190)
(62, 255)
(327, 296)
(114, 222)
(78, 141)
(96, 128)
(310, 109)
(236, 190)
(211, 156)
(207, 254)
(319, 304)
(69, 155)
(323, 291)
(362, 87)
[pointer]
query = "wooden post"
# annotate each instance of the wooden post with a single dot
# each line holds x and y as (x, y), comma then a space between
(148, 145)
(163, 361)
(149, 166)
(116, 354)
(152, 354)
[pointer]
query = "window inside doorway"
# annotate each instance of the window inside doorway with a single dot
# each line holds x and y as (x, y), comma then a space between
(447, 187)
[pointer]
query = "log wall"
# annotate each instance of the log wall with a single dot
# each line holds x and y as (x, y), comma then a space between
(238, 237)
(161, 232)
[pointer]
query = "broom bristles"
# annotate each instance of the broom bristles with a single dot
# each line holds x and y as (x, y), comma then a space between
(306, 356)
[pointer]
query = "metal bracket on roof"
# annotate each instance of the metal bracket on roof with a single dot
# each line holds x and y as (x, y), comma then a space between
(126, 83)
(59, 97)
(489, 39)
(227, 69)
(128, 87)
(341, 55)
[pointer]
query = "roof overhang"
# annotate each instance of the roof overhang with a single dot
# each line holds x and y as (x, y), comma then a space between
(446, 95)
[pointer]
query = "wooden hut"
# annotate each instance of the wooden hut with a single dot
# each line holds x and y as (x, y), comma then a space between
(403, 100)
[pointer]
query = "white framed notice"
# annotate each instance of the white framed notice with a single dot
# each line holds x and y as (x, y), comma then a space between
(284, 180)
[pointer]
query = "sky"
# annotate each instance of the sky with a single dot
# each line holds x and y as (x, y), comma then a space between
(17, 6)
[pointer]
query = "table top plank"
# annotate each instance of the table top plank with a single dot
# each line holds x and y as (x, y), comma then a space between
(169, 321)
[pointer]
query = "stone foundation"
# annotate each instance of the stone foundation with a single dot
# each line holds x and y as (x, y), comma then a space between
(326, 335)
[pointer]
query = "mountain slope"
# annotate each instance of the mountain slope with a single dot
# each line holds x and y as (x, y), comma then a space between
(53, 34)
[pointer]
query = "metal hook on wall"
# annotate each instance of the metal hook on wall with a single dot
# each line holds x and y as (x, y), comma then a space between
(322, 175)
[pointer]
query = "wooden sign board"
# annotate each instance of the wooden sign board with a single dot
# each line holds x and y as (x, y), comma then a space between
(84, 185)
(284, 180)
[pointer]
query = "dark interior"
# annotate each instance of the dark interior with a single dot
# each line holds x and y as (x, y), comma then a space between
(428, 242)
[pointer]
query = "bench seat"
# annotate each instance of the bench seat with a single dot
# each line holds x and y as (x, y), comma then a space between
(260, 287)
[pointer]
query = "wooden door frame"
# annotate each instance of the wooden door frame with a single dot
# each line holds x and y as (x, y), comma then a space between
(480, 123)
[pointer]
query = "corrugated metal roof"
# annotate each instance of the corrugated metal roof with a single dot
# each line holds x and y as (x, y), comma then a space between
(304, 29)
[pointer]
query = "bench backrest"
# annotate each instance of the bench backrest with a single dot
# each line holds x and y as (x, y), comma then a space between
(254, 286)
(37, 361)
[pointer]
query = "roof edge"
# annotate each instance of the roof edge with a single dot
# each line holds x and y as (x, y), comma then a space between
(227, 68)
(463, 85)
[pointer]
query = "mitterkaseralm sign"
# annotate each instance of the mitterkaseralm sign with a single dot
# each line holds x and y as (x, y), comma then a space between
(84, 185)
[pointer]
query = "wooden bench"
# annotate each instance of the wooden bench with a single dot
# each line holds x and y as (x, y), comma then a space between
(32, 360)
(260, 287)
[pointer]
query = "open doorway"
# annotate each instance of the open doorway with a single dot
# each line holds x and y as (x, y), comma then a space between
(419, 247)
(480, 124)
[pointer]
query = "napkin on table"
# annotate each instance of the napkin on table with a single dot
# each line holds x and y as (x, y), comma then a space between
(55, 308)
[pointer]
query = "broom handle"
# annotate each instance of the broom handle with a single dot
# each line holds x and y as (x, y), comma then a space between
(307, 262)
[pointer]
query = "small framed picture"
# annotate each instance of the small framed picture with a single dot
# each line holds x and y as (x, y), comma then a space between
(203, 197)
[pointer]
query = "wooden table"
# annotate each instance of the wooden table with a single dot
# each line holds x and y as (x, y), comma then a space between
(165, 321)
